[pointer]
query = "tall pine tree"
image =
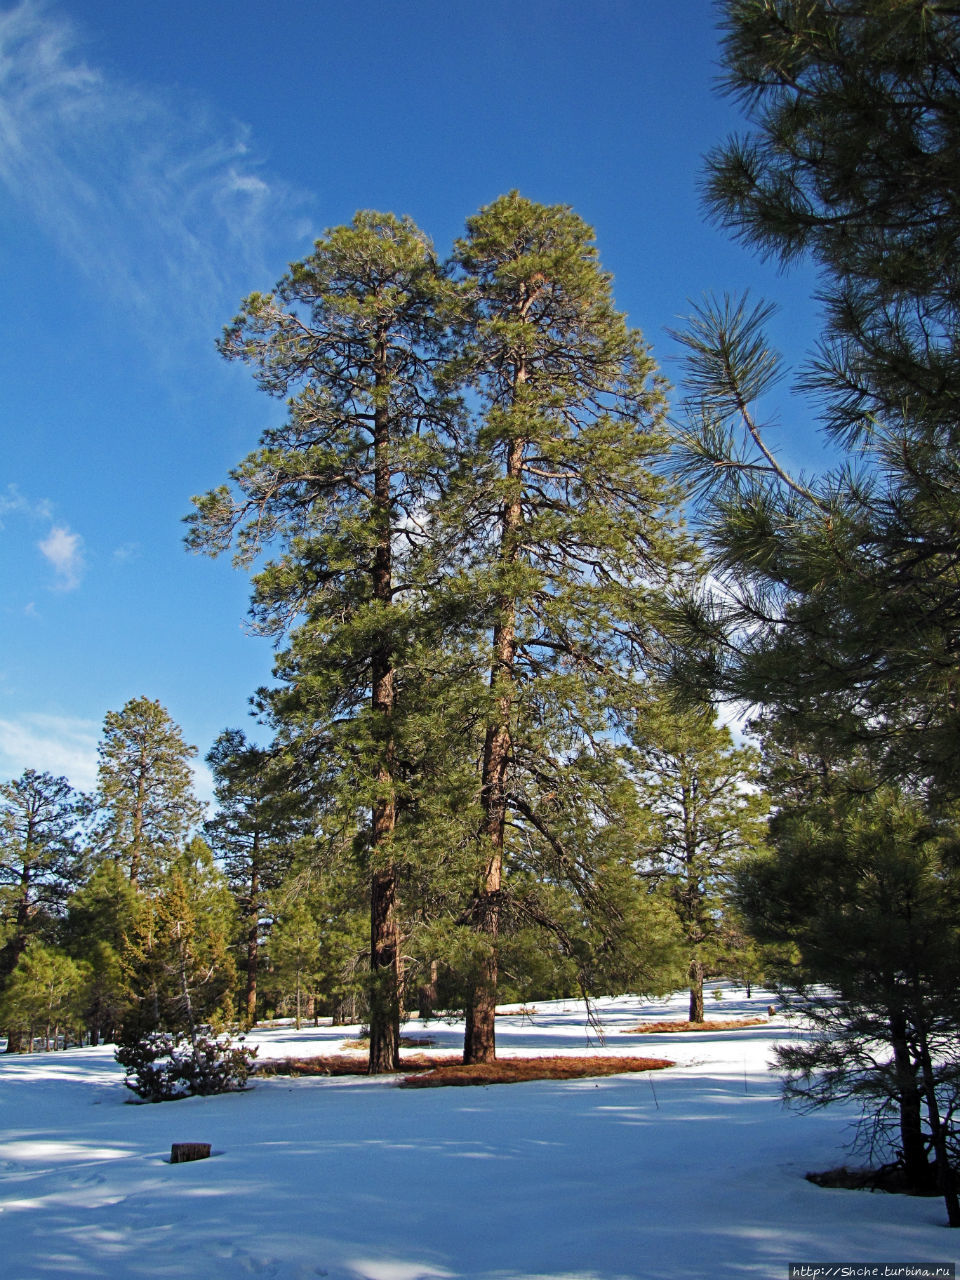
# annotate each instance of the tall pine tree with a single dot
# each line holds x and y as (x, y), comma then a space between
(350, 337)
(564, 533)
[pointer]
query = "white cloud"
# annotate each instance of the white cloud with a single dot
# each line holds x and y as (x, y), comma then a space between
(64, 550)
(67, 746)
(150, 194)
(13, 502)
(61, 745)
(126, 552)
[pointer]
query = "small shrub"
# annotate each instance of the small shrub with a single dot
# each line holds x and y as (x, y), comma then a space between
(162, 1066)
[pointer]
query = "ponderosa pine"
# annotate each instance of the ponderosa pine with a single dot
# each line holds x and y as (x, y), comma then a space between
(349, 338)
(565, 534)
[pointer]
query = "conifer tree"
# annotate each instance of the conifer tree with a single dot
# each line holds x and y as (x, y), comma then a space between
(100, 917)
(145, 797)
(253, 833)
(295, 958)
(863, 887)
(177, 961)
(564, 533)
(337, 491)
(707, 815)
(40, 826)
(841, 586)
(45, 994)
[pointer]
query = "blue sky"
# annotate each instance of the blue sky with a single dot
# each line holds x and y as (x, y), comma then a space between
(159, 162)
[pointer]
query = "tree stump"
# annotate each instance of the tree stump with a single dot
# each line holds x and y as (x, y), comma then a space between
(181, 1152)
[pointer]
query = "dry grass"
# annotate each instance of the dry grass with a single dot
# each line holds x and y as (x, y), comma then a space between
(517, 1070)
(712, 1024)
(525, 1011)
(341, 1065)
(432, 1073)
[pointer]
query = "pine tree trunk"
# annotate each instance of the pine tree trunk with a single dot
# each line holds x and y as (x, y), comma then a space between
(253, 935)
(427, 993)
(480, 1039)
(696, 990)
(946, 1180)
(385, 976)
(921, 1176)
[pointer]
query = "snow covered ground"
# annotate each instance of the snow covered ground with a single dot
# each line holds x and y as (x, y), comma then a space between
(693, 1172)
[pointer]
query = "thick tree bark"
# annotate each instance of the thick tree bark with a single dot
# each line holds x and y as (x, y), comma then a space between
(946, 1180)
(696, 990)
(921, 1175)
(480, 1044)
(385, 973)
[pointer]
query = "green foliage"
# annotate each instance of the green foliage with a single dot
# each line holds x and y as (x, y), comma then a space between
(864, 889)
(145, 801)
(351, 337)
(40, 824)
(705, 813)
(263, 810)
(162, 1067)
(45, 992)
(840, 589)
(100, 917)
(178, 963)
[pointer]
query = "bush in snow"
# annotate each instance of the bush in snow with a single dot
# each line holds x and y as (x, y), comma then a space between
(162, 1066)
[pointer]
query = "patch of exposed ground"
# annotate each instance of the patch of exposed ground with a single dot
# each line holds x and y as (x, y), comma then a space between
(714, 1024)
(340, 1064)
(889, 1177)
(432, 1073)
(516, 1070)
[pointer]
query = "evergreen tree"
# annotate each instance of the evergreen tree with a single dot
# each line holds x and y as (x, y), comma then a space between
(295, 959)
(100, 917)
(253, 833)
(836, 612)
(178, 963)
(45, 993)
(562, 530)
(144, 789)
(842, 587)
(350, 337)
(863, 890)
(40, 826)
(707, 814)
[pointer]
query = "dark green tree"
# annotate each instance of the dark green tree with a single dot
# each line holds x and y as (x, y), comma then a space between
(863, 891)
(834, 609)
(351, 337)
(563, 534)
(260, 815)
(295, 963)
(708, 813)
(40, 830)
(45, 993)
(145, 800)
(843, 585)
(100, 917)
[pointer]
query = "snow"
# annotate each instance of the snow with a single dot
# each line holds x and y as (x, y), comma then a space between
(692, 1172)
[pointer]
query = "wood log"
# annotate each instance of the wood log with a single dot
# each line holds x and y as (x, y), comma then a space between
(181, 1152)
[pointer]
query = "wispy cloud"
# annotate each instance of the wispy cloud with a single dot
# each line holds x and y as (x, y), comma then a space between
(66, 746)
(152, 195)
(64, 550)
(13, 502)
(62, 745)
